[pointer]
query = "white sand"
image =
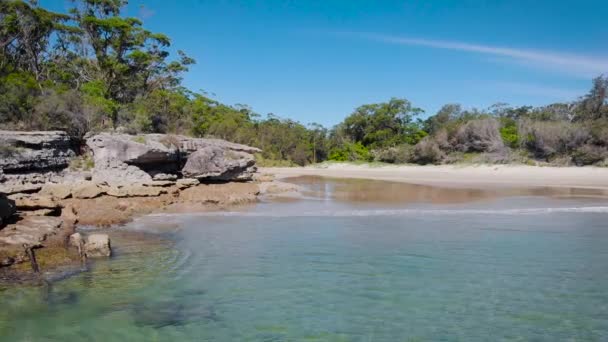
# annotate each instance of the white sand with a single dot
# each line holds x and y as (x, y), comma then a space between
(481, 176)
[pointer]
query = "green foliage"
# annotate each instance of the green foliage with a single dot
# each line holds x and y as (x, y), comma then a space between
(351, 152)
(384, 124)
(510, 133)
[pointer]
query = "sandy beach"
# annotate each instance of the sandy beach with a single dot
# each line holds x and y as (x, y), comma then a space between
(474, 176)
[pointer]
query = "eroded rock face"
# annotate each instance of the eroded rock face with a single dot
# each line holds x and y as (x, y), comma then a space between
(127, 159)
(216, 163)
(34, 151)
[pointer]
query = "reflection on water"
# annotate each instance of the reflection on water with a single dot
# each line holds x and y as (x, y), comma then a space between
(482, 272)
(378, 191)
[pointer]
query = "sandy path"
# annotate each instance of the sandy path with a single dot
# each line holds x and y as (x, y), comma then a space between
(482, 176)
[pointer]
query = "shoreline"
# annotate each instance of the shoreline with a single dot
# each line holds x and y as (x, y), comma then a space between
(459, 176)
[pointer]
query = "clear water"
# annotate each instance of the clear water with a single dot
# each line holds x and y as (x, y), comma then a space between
(516, 268)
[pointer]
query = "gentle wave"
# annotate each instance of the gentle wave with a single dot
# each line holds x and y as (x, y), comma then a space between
(399, 212)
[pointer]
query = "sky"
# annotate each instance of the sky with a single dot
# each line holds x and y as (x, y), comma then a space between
(317, 60)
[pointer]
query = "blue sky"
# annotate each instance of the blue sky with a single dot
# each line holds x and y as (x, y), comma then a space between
(316, 60)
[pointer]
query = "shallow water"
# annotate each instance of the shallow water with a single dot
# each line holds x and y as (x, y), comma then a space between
(381, 266)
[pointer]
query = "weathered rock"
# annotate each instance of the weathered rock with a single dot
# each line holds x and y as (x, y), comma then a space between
(97, 245)
(215, 163)
(34, 151)
(7, 208)
(135, 191)
(122, 159)
(186, 183)
(161, 183)
(34, 202)
(31, 230)
(59, 191)
(87, 190)
(12, 188)
(69, 215)
(164, 177)
(76, 240)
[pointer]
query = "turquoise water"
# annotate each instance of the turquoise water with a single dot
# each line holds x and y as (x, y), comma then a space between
(516, 268)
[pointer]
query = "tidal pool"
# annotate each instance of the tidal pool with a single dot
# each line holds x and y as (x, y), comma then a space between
(351, 261)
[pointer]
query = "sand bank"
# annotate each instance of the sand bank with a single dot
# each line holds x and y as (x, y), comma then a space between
(482, 176)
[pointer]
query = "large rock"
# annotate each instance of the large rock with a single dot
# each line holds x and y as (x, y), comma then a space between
(34, 151)
(7, 208)
(30, 230)
(122, 159)
(97, 245)
(216, 163)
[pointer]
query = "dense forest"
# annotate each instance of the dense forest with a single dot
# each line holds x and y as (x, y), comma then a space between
(94, 69)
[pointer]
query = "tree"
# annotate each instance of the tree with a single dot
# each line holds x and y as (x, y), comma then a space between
(383, 124)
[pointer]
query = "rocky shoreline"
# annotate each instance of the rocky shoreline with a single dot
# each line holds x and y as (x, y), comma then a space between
(50, 185)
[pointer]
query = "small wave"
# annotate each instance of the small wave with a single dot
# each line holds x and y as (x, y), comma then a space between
(399, 212)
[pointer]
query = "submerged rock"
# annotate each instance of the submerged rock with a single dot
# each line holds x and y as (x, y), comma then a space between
(97, 245)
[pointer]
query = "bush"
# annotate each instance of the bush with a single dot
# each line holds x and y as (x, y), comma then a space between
(480, 135)
(396, 155)
(509, 133)
(547, 139)
(589, 155)
(427, 151)
(350, 152)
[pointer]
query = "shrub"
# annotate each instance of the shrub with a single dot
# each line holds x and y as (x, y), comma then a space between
(509, 133)
(546, 139)
(350, 152)
(589, 155)
(398, 154)
(480, 135)
(427, 151)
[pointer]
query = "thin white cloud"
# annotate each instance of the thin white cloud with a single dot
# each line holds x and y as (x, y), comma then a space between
(566, 63)
(549, 92)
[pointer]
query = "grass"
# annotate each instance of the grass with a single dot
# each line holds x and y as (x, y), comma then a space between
(139, 139)
(84, 162)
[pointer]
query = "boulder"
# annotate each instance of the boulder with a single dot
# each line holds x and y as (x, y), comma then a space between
(215, 163)
(58, 191)
(34, 202)
(122, 159)
(87, 190)
(7, 208)
(34, 151)
(97, 245)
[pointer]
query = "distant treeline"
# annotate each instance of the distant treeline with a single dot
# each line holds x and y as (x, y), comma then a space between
(93, 69)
